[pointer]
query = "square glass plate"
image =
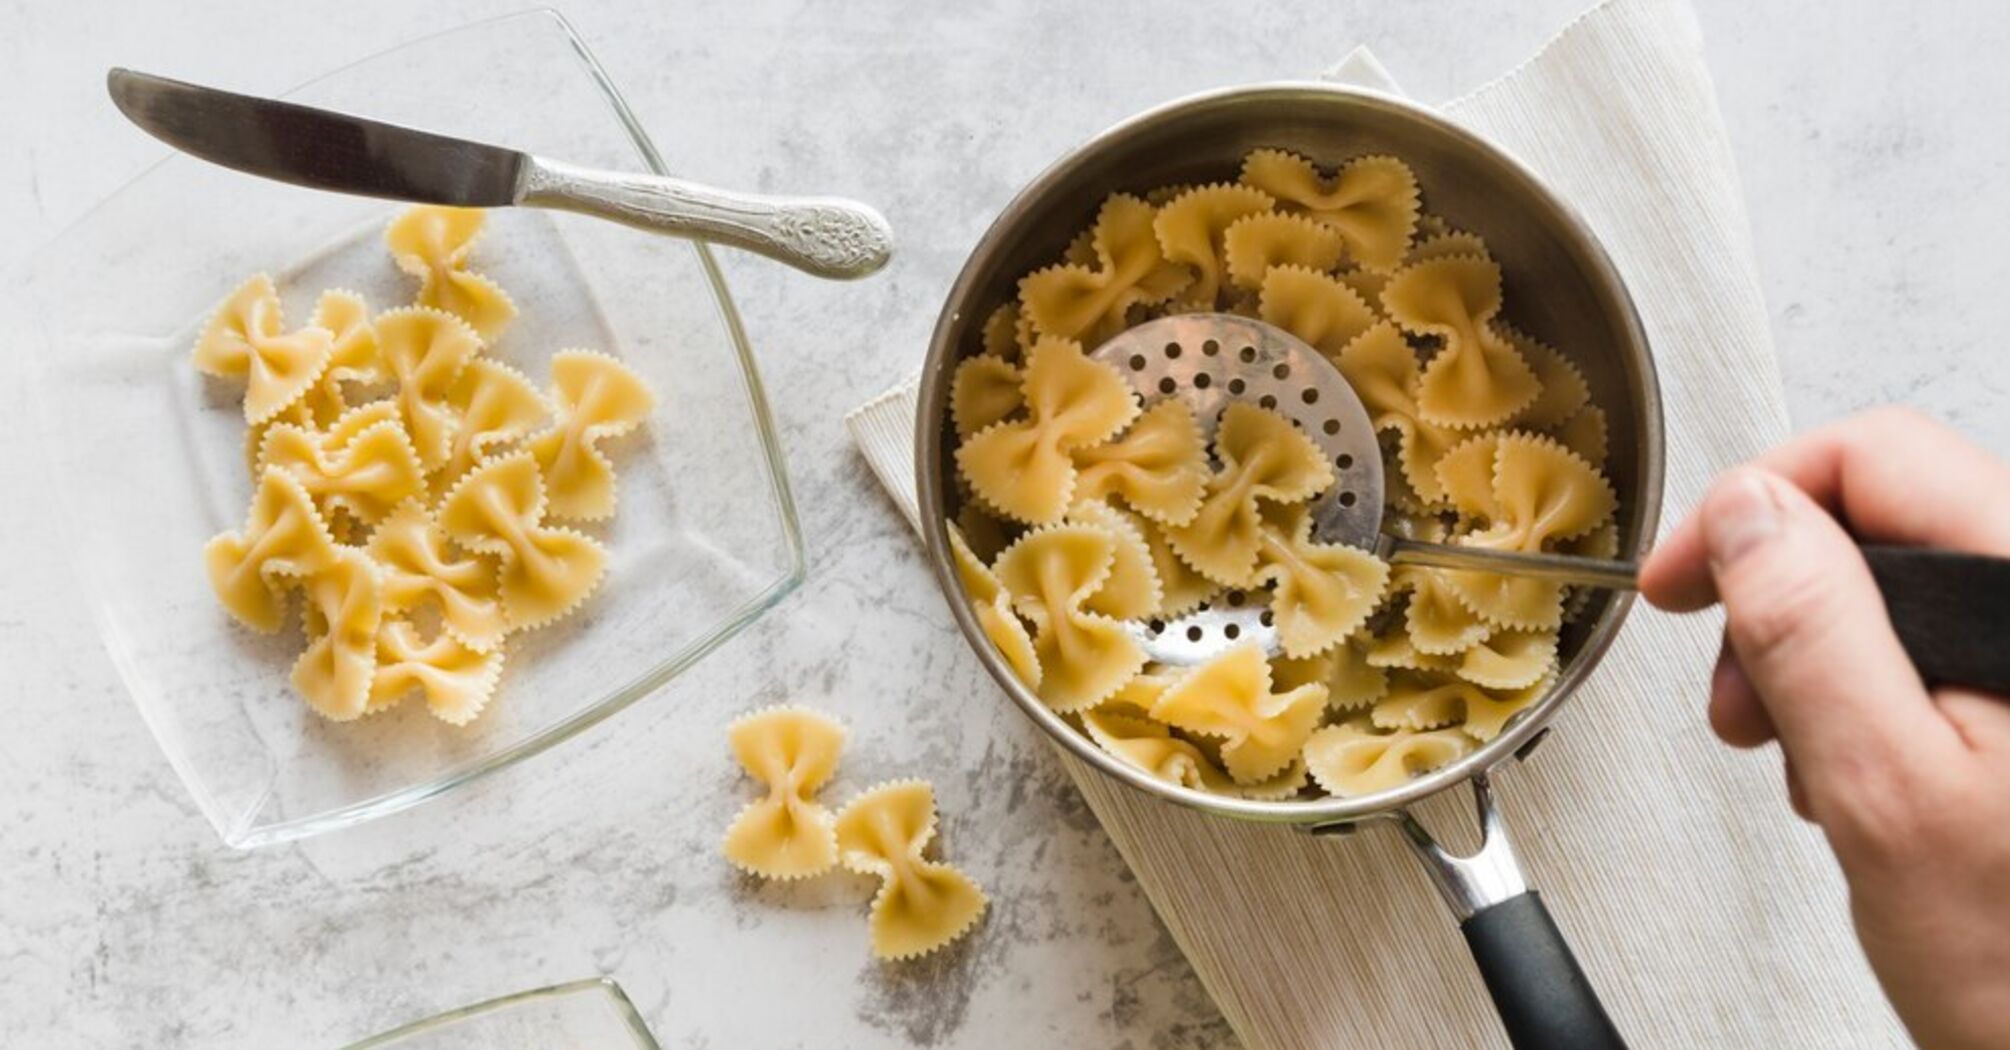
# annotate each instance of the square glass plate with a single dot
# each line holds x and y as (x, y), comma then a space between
(590, 1013)
(147, 456)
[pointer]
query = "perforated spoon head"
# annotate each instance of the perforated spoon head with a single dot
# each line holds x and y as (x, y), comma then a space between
(1208, 360)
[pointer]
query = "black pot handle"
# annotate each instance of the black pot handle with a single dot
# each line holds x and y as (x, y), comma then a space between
(1544, 1000)
(1542, 995)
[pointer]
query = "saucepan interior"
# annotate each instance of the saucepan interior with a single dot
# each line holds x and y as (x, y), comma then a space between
(1559, 284)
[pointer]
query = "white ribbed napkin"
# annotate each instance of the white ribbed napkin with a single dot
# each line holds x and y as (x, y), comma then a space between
(1703, 911)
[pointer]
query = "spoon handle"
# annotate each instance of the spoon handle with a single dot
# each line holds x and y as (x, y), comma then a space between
(1951, 610)
(1562, 568)
(824, 236)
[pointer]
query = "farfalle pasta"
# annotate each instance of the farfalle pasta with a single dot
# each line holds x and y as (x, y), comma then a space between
(1192, 226)
(1320, 592)
(455, 679)
(1094, 521)
(1024, 467)
(786, 834)
(1526, 492)
(922, 904)
(1477, 378)
(547, 570)
(245, 338)
(596, 398)
(433, 244)
(405, 480)
(1091, 302)
(1371, 203)
(1157, 467)
(1349, 760)
(345, 605)
(1255, 243)
(1230, 698)
(1052, 574)
(1263, 458)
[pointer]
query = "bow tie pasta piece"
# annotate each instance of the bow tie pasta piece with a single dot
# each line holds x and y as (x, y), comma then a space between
(1254, 244)
(1051, 574)
(1091, 303)
(1446, 245)
(1181, 589)
(1190, 229)
(1436, 621)
(456, 681)
(1371, 202)
(494, 405)
(1351, 681)
(283, 538)
(1477, 378)
(431, 242)
(992, 606)
(921, 904)
(1158, 467)
(419, 564)
(1350, 761)
(363, 470)
(1539, 492)
(793, 752)
(1382, 369)
(425, 350)
(1317, 308)
(1320, 593)
(1510, 659)
(1131, 592)
(1022, 467)
(985, 390)
(498, 508)
(352, 358)
(597, 397)
(345, 605)
(1230, 697)
(1150, 746)
(1008, 333)
(1263, 456)
(245, 338)
(1423, 701)
(1585, 434)
(1563, 388)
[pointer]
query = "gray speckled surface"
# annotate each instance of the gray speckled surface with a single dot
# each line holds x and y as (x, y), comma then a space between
(126, 923)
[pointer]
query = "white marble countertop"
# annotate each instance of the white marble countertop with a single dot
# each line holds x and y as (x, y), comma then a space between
(125, 921)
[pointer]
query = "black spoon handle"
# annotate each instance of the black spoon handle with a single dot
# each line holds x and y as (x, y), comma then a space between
(1951, 612)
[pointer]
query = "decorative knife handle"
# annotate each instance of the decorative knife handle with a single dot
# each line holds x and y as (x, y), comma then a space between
(825, 236)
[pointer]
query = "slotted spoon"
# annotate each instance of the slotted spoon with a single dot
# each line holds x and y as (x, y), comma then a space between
(1942, 603)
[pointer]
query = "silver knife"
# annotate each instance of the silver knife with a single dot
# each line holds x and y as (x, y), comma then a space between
(325, 150)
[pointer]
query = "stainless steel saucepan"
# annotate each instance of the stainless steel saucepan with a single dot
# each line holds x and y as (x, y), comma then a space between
(1563, 289)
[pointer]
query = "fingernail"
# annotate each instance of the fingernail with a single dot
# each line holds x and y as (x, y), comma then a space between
(1742, 513)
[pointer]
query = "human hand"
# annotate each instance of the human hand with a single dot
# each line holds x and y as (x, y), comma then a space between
(1910, 785)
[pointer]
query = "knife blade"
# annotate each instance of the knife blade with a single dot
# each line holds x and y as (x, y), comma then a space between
(317, 148)
(325, 150)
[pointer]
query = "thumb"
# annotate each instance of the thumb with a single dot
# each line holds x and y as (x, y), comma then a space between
(1810, 630)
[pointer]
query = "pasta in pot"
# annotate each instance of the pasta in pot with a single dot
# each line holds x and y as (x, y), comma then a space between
(1116, 516)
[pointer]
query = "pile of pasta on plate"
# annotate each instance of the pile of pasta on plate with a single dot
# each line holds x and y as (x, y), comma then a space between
(1087, 510)
(413, 492)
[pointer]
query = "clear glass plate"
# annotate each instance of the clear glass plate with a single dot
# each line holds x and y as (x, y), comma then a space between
(590, 1013)
(147, 456)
